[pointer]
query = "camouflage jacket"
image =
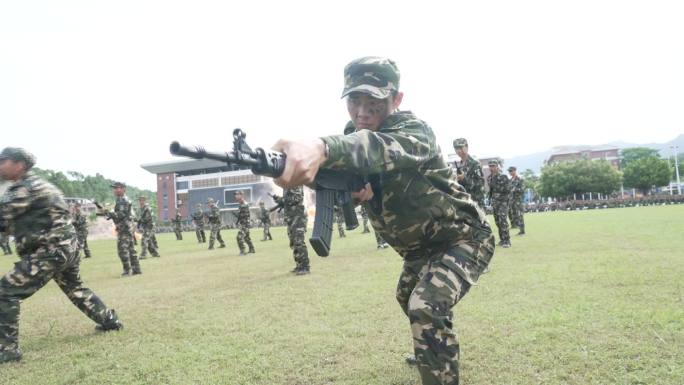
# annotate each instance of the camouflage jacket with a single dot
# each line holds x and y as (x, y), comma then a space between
(499, 188)
(418, 207)
(214, 216)
(34, 211)
(145, 220)
(122, 214)
(177, 219)
(473, 179)
(294, 202)
(80, 222)
(243, 217)
(517, 185)
(264, 216)
(198, 217)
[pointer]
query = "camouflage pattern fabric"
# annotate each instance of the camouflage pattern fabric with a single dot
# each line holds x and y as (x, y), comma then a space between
(339, 218)
(499, 190)
(243, 224)
(4, 244)
(177, 226)
(80, 223)
(198, 220)
(420, 210)
(214, 218)
(473, 179)
(516, 209)
(295, 218)
(364, 219)
(122, 217)
(265, 218)
(39, 219)
(148, 241)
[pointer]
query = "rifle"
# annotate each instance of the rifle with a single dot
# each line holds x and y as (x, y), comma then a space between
(280, 204)
(101, 211)
(331, 186)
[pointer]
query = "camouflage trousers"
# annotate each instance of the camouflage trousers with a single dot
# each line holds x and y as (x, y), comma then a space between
(428, 289)
(148, 242)
(32, 273)
(244, 238)
(215, 235)
(364, 218)
(201, 236)
(5, 245)
(378, 239)
(340, 224)
(82, 238)
(500, 210)
(516, 212)
(126, 251)
(296, 231)
(179, 233)
(267, 231)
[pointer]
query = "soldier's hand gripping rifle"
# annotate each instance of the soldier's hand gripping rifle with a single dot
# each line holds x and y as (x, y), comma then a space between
(101, 211)
(331, 186)
(280, 203)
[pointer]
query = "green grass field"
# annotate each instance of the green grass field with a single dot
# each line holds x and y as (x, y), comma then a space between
(591, 297)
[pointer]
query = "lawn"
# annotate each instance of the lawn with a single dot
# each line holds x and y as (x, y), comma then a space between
(586, 297)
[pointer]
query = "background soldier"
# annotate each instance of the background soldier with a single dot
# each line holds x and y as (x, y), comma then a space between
(4, 243)
(81, 225)
(243, 223)
(123, 220)
(516, 210)
(295, 218)
(148, 241)
(177, 225)
(469, 172)
(214, 217)
(198, 220)
(415, 205)
(37, 215)
(364, 218)
(498, 197)
(265, 218)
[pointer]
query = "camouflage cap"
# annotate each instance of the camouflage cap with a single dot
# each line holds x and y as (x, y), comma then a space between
(18, 154)
(512, 168)
(210, 200)
(376, 76)
(142, 197)
(261, 203)
(460, 142)
(493, 162)
(238, 192)
(117, 184)
(199, 205)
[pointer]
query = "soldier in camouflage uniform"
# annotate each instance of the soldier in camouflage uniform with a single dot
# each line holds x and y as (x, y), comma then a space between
(469, 172)
(265, 218)
(148, 241)
(4, 244)
(339, 218)
(214, 218)
(35, 212)
(295, 219)
(198, 220)
(80, 223)
(413, 202)
(177, 225)
(243, 223)
(499, 189)
(516, 210)
(123, 220)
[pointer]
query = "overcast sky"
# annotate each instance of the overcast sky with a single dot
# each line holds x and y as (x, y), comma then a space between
(104, 86)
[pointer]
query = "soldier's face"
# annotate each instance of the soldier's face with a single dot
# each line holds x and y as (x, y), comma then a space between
(493, 169)
(119, 191)
(11, 170)
(367, 112)
(238, 197)
(462, 152)
(141, 202)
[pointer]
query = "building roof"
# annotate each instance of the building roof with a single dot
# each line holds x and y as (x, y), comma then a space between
(183, 165)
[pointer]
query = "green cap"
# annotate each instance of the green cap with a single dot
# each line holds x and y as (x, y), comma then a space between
(512, 168)
(117, 184)
(460, 142)
(18, 154)
(492, 162)
(375, 76)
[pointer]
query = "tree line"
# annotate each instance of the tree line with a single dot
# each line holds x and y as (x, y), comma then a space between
(641, 168)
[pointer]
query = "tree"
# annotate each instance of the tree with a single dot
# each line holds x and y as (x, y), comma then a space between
(645, 173)
(629, 155)
(531, 182)
(583, 176)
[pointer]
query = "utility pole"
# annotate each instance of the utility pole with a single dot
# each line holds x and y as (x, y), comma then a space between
(679, 185)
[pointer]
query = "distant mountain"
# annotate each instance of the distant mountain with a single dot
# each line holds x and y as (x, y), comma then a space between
(535, 161)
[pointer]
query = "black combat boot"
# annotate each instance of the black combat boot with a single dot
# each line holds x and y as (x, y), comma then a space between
(111, 322)
(9, 355)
